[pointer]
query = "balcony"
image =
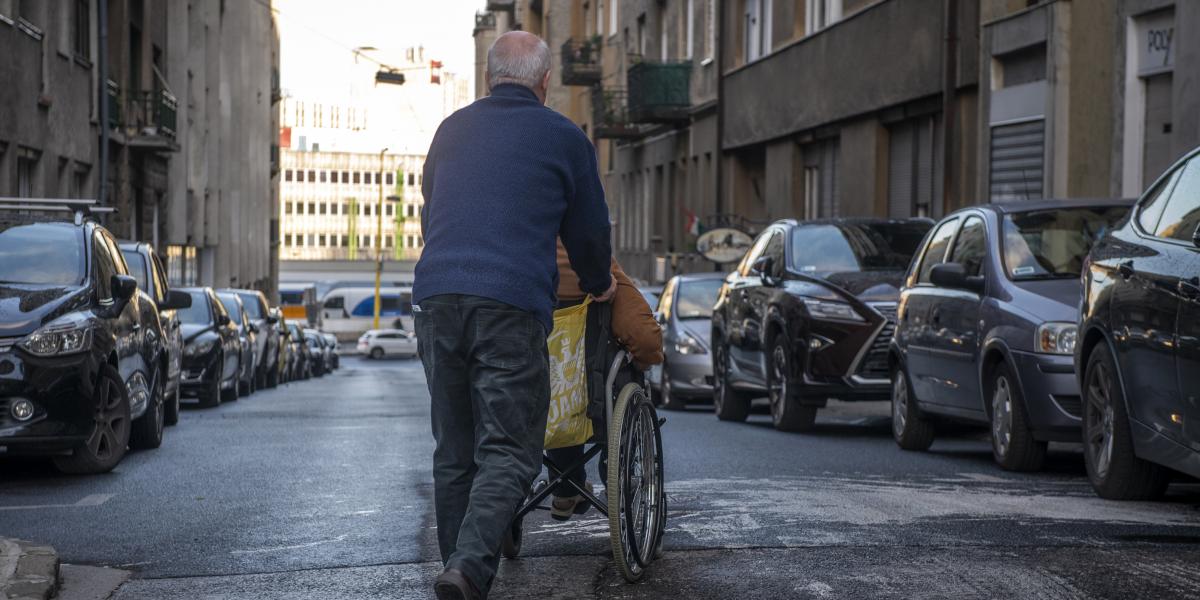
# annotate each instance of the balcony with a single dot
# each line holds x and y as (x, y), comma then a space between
(660, 92)
(581, 61)
(114, 104)
(610, 117)
(484, 20)
(508, 5)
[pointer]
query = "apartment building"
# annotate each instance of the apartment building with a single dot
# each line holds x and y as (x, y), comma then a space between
(332, 204)
(190, 86)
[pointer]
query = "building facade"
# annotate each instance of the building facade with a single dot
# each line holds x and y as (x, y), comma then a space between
(190, 87)
(334, 203)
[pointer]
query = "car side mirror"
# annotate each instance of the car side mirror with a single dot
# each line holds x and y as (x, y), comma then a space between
(123, 287)
(954, 276)
(1196, 237)
(253, 328)
(176, 300)
(272, 319)
(764, 266)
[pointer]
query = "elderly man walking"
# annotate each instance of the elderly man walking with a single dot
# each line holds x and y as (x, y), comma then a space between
(504, 178)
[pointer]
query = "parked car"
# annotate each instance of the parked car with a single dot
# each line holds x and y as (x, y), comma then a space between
(808, 316)
(651, 294)
(301, 369)
(685, 311)
(317, 363)
(82, 365)
(285, 360)
(212, 349)
(266, 344)
(379, 343)
(331, 342)
(146, 268)
(1139, 342)
(248, 333)
(987, 324)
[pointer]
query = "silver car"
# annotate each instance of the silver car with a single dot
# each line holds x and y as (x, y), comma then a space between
(685, 312)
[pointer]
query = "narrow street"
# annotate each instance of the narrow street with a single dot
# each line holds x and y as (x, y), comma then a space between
(321, 489)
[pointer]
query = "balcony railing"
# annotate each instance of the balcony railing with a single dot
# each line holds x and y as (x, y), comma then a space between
(485, 20)
(660, 92)
(114, 104)
(501, 4)
(610, 117)
(581, 61)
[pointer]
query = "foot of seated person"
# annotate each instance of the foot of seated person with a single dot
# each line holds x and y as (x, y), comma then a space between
(562, 508)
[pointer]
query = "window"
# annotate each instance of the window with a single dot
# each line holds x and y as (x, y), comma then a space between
(775, 251)
(324, 208)
(82, 34)
(689, 33)
(757, 29)
(287, 208)
(391, 178)
(323, 175)
(311, 240)
(821, 13)
(322, 240)
(755, 251)
(289, 175)
(710, 26)
(612, 16)
(38, 254)
(971, 246)
(287, 239)
(80, 182)
(345, 176)
(411, 179)
(935, 252)
(824, 249)
(1152, 208)
(1052, 244)
(103, 268)
(312, 208)
(357, 177)
(1182, 214)
(812, 192)
(27, 161)
(662, 34)
(312, 176)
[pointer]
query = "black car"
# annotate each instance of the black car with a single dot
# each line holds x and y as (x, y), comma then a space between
(1139, 342)
(212, 349)
(808, 315)
(987, 325)
(318, 361)
(266, 344)
(286, 360)
(82, 362)
(248, 334)
(302, 364)
(146, 268)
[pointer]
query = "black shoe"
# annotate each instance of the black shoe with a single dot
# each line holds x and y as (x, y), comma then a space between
(453, 585)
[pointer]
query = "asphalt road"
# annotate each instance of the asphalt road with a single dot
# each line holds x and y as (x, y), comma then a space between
(322, 489)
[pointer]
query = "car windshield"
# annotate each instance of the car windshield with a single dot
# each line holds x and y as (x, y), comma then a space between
(696, 298)
(42, 255)
(231, 306)
(824, 249)
(197, 313)
(137, 268)
(1052, 244)
(252, 305)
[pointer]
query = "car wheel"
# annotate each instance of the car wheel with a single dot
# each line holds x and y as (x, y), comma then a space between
(1114, 470)
(911, 430)
(787, 414)
(211, 396)
(147, 430)
(109, 439)
(668, 400)
(729, 404)
(376, 353)
(1013, 445)
(272, 378)
(171, 417)
(232, 394)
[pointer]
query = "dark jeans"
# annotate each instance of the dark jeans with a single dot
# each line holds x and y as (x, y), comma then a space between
(489, 382)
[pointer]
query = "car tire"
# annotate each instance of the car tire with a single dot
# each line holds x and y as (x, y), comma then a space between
(1013, 445)
(171, 417)
(147, 432)
(668, 400)
(376, 353)
(1115, 472)
(787, 413)
(211, 396)
(910, 429)
(109, 440)
(272, 378)
(728, 403)
(232, 394)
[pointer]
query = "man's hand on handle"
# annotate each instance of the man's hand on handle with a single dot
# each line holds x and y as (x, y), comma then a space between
(608, 295)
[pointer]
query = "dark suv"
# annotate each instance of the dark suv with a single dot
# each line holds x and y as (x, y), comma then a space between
(1138, 354)
(987, 325)
(808, 316)
(82, 362)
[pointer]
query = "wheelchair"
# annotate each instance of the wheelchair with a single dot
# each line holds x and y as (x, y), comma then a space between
(628, 429)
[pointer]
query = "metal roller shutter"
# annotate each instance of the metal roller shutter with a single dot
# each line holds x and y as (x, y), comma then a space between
(1017, 161)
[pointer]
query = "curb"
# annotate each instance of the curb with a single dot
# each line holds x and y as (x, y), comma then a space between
(27, 571)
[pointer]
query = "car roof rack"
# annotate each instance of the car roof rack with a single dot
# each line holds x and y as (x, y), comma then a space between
(81, 207)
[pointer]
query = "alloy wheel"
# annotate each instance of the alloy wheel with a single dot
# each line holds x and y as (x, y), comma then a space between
(778, 391)
(1002, 416)
(111, 423)
(1099, 426)
(899, 404)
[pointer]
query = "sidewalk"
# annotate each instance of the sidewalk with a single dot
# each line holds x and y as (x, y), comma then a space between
(27, 571)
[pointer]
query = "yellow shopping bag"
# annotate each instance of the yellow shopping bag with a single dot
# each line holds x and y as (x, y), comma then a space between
(568, 423)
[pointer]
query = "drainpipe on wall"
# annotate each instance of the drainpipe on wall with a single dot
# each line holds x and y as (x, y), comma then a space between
(719, 58)
(949, 106)
(102, 73)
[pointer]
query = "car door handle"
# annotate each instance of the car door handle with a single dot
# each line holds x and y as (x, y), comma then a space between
(1126, 269)
(1189, 288)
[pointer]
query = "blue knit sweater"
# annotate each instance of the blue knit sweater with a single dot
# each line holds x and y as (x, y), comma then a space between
(504, 178)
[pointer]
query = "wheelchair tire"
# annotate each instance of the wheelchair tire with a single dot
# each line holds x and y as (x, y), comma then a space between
(634, 485)
(510, 546)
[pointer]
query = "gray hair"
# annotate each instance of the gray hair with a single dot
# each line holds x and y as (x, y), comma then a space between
(518, 59)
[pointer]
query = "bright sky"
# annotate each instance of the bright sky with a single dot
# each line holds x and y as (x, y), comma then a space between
(316, 38)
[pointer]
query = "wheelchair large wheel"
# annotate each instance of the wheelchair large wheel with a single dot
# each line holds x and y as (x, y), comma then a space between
(636, 500)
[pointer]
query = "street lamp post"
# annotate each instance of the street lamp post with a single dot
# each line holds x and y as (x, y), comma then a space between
(379, 240)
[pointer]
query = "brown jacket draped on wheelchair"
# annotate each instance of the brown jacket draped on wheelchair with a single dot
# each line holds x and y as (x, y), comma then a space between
(633, 322)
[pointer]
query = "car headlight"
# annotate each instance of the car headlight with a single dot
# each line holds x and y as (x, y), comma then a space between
(59, 338)
(1055, 338)
(688, 344)
(200, 348)
(828, 309)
